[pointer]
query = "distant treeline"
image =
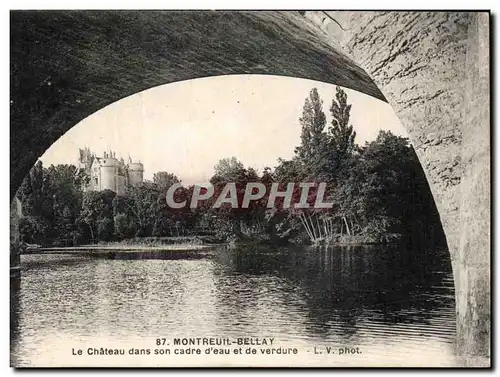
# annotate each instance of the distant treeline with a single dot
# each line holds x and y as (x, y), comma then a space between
(379, 191)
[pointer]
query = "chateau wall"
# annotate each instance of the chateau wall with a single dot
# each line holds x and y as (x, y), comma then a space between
(120, 185)
(108, 178)
(135, 173)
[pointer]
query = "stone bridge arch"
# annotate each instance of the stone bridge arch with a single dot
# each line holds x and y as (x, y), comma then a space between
(433, 68)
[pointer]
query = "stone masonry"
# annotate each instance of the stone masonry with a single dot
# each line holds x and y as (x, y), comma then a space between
(433, 68)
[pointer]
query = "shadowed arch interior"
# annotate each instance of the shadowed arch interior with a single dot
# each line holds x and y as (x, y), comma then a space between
(66, 65)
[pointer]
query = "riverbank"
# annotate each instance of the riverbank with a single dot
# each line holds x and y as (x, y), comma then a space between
(191, 243)
(162, 241)
(187, 243)
(176, 247)
(131, 245)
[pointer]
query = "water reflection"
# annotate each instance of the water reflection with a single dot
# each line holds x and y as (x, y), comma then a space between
(344, 291)
(394, 302)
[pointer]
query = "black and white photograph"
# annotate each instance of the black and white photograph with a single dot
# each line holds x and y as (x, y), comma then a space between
(250, 188)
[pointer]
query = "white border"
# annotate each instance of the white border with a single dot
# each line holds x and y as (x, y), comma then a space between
(188, 4)
(256, 4)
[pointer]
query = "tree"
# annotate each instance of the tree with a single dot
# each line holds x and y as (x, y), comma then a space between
(53, 196)
(33, 229)
(289, 170)
(164, 179)
(97, 214)
(312, 163)
(143, 207)
(228, 169)
(31, 191)
(63, 198)
(396, 191)
(92, 208)
(341, 134)
(123, 227)
(105, 228)
(314, 143)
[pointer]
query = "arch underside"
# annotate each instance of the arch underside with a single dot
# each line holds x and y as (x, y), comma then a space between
(66, 65)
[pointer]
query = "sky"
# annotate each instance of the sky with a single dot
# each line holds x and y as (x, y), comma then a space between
(186, 127)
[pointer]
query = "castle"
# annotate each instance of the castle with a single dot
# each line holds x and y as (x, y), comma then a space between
(108, 172)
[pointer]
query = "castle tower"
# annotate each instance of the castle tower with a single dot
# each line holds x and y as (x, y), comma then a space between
(108, 173)
(121, 177)
(85, 159)
(135, 173)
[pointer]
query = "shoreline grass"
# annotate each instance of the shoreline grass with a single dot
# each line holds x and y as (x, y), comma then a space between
(97, 247)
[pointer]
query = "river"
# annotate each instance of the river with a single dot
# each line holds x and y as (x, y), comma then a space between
(382, 306)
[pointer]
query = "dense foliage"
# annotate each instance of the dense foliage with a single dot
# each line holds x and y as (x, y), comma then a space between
(379, 192)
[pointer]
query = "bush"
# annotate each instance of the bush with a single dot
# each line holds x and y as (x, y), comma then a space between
(105, 229)
(124, 228)
(33, 229)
